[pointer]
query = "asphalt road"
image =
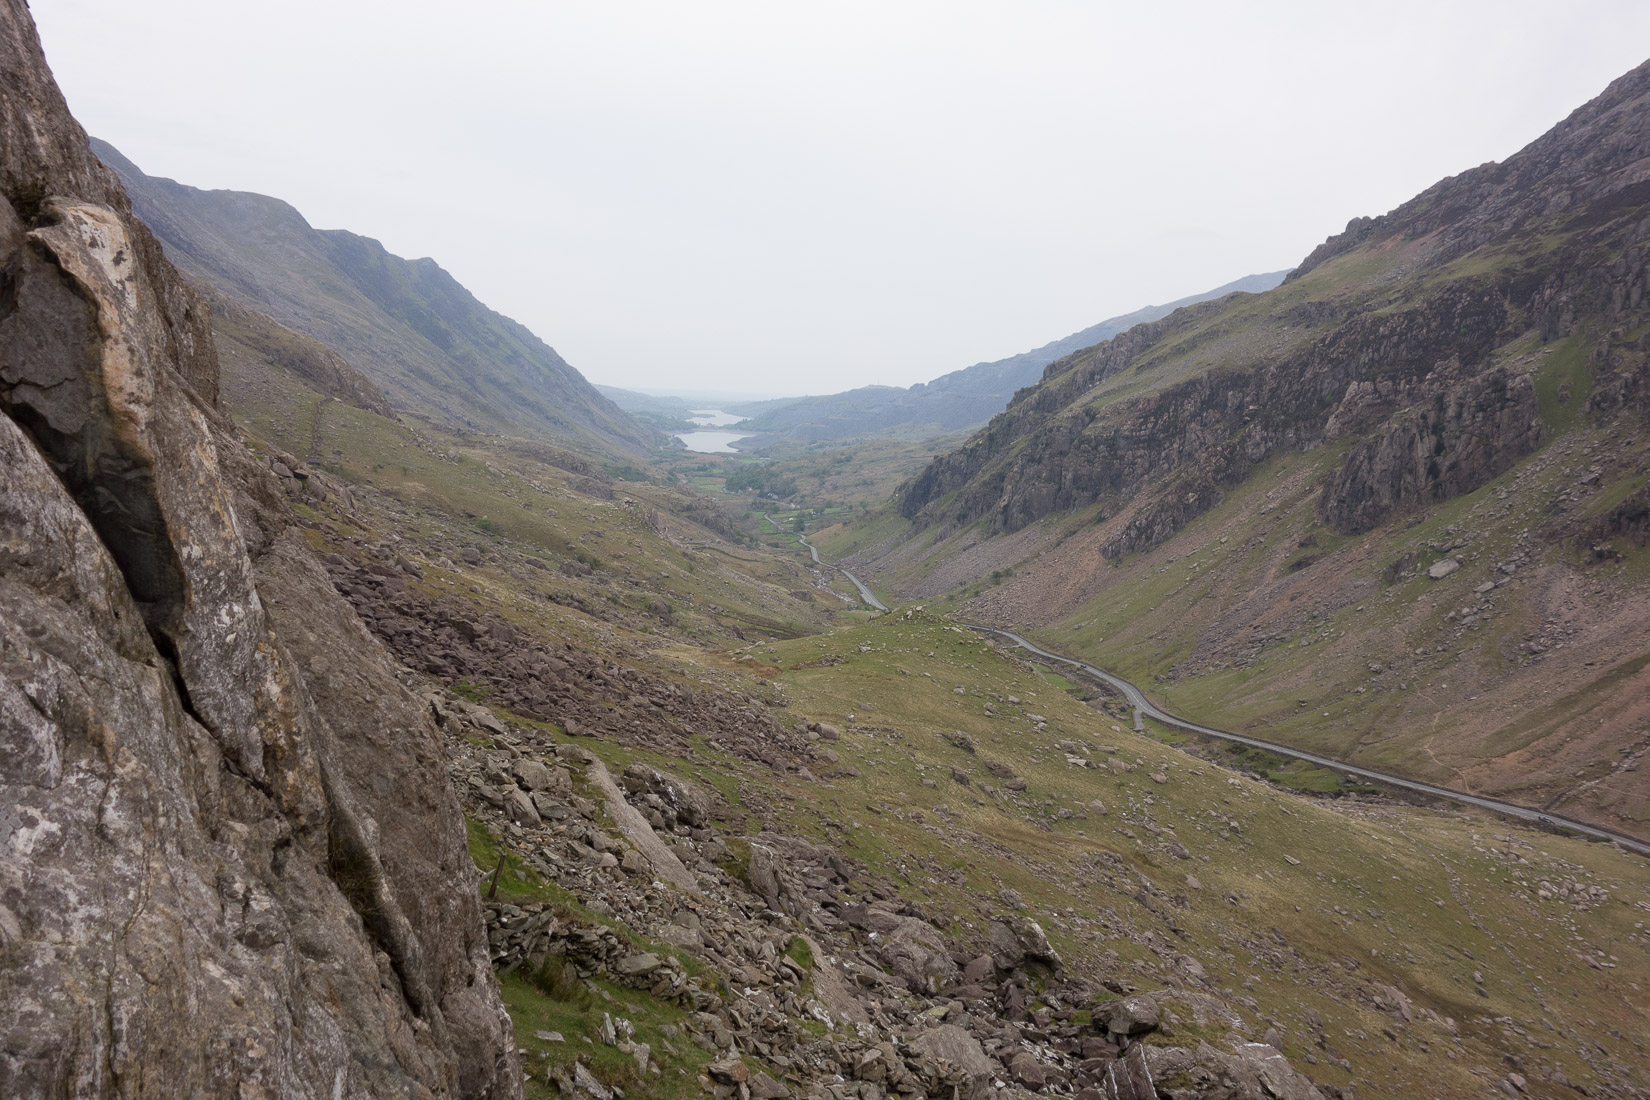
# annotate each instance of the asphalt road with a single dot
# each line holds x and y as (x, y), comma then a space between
(865, 594)
(1142, 705)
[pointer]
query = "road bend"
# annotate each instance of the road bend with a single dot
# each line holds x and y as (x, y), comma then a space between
(1144, 706)
(865, 594)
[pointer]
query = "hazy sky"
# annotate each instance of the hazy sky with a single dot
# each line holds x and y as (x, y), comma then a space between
(791, 198)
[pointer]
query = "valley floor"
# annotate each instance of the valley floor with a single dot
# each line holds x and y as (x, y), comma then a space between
(736, 834)
(863, 860)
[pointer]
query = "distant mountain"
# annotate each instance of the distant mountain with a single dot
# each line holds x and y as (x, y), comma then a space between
(962, 399)
(1416, 467)
(634, 401)
(407, 325)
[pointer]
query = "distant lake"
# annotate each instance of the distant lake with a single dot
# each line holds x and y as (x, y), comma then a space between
(712, 442)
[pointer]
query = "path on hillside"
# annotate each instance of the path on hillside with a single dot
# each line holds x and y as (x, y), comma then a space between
(865, 594)
(1142, 705)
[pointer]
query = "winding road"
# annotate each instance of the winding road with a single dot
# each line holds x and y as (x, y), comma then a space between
(865, 594)
(1144, 706)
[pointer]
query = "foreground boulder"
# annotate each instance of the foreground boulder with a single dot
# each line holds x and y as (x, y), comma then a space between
(918, 956)
(948, 1051)
(230, 859)
(1017, 939)
(1253, 1071)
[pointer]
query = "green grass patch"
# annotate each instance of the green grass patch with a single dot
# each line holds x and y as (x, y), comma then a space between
(518, 882)
(554, 1003)
(1054, 678)
(471, 690)
(1562, 384)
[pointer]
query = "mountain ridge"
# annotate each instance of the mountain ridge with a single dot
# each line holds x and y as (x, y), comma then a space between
(1468, 317)
(408, 325)
(1424, 390)
(961, 398)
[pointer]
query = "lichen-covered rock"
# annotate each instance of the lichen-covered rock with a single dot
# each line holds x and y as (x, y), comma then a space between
(233, 864)
(1253, 1071)
(1130, 1016)
(918, 955)
(948, 1047)
(1016, 938)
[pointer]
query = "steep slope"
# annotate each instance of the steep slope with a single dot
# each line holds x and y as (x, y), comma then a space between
(407, 324)
(961, 399)
(633, 401)
(231, 862)
(1463, 376)
(243, 333)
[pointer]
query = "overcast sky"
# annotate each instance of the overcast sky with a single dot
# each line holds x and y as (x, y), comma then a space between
(786, 198)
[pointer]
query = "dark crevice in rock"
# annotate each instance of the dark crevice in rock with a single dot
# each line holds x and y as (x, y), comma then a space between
(51, 385)
(169, 651)
(28, 199)
(182, 928)
(354, 866)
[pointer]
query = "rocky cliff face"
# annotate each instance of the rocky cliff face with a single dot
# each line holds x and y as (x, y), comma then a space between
(1389, 340)
(230, 859)
(1181, 447)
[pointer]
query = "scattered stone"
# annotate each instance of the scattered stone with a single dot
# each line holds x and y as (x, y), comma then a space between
(1028, 1071)
(763, 1087)
(637, 965)
(586, 1081)
(1442, 569)
(519, 805)
(1016, 939)
(532, 774)
(1130, 1016)
(730, 1071)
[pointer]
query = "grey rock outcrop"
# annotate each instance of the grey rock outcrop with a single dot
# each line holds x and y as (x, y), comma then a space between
(949, 1045)
(1472, 432)
(1016, 939)
(236, 864)
(918, 955)
(1253, 1071)
(1418, 377)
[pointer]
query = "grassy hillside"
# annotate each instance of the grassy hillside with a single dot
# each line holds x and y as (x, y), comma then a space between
(1386, 949)
(1238, 506)
(406, 324)
(555, 535)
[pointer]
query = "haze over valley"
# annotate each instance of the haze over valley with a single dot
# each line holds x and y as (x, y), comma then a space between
(668, 643)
